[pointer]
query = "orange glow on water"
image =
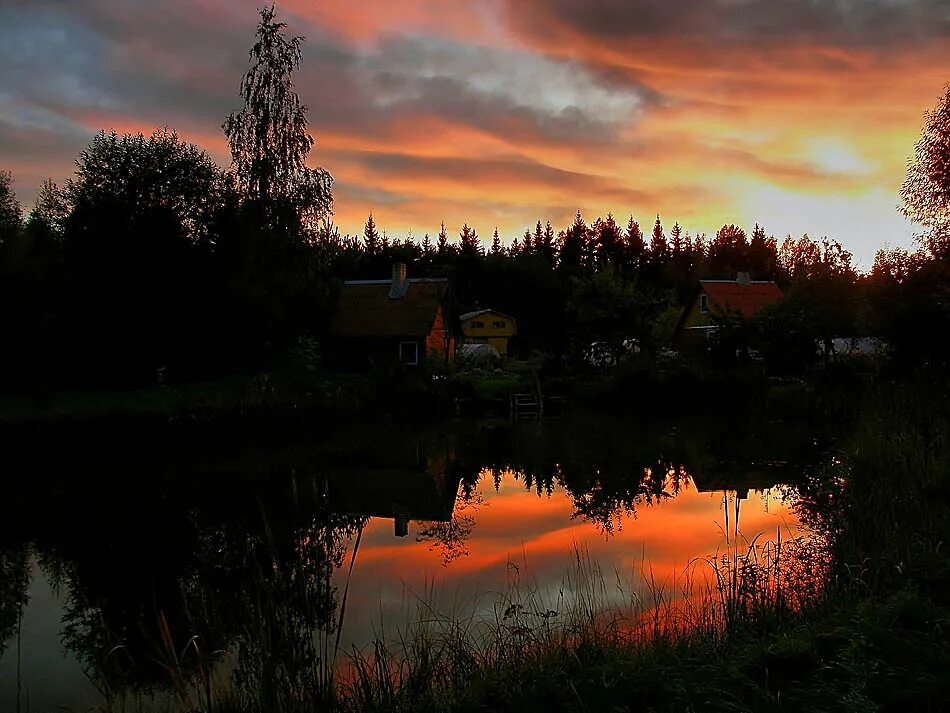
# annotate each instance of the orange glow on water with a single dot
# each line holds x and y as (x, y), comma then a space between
(516, 532)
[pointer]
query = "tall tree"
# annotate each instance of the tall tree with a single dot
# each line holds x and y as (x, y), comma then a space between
(495, 243)
(659, 248)
(442, 245)
(50, 209)
(926, 189)
(573, 245)
(268, 137)
(469, 241)
(371, 240)
(634, 245)
(548, 248)
(11, 214)
(609, 241)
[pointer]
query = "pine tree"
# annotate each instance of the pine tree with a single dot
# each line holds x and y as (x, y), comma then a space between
(469, 241)
(426, 246)
(571, 255)
(548, 248)
(442, 244)
(495, 243)
(659, 249)
(634, 245)
(537, 240)
(609, 245)
(371, 240)
(676, 241)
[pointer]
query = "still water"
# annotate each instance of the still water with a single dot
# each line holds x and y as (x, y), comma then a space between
(120, 574)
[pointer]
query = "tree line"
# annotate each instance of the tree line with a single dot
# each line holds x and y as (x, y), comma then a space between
(154, 263)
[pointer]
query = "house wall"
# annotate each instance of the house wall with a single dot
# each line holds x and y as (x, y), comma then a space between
(440, 342)
(695, 318)
(489, 334)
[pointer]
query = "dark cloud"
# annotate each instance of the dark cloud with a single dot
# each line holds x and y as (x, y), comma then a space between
(864, 23)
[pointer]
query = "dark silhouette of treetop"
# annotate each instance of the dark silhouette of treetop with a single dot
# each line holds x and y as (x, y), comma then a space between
(926, 189)
(268, 137)
(11, 214)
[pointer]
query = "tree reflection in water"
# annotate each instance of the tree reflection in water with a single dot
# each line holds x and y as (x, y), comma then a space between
(183, 584)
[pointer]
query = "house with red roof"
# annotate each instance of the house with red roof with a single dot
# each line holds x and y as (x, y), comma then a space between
(717, 300)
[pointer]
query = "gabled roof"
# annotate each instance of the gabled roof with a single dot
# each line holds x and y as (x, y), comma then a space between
(731, 296)
(365, 309)
(479, 312)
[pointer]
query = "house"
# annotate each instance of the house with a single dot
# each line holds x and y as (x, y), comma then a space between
(718, 299)
(400, 494)
(395, 321)
(488, 326)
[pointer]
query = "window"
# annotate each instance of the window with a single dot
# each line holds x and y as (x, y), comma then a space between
(478, 325)
(409, 353)
(703, 304)
(498, 325)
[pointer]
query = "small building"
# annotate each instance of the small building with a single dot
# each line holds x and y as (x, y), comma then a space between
(400, 320)
(716, 300)
(488, 326)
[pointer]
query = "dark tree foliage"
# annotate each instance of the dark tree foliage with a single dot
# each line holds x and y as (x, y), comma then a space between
(11, 213)
(137, 244)
(926, 189)
(268, 137)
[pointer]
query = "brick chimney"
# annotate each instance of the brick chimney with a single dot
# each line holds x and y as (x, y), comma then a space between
(400, 284)
(744, 279)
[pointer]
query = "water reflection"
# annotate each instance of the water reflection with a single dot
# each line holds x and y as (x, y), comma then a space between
(250, 573)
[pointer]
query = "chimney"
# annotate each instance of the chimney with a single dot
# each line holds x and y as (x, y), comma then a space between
(400, 283)
(744, 279)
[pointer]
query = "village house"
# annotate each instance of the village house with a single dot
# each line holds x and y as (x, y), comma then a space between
(716, 300)
(395, 321)
(487, 326)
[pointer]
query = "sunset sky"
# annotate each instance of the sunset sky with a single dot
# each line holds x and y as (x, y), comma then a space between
(798, 114)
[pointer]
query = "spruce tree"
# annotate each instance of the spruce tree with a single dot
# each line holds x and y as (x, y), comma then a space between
(659, 249)
(495, 243)
(371, 239)
(442, 244)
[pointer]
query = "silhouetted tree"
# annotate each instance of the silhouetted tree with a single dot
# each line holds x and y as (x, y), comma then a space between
(659, 248)
(496, 244)
(371, 239)
(11, 213)
(926, 189)
(442, 245)
(548, 249)
(268, 137)
(571, 255)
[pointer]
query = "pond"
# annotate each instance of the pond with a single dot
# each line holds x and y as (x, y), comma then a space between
(121, 574)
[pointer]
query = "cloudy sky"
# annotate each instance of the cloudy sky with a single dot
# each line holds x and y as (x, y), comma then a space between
(798, 114)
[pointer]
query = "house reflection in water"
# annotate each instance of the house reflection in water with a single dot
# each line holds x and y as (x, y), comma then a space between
(739, 479)
(426, 491)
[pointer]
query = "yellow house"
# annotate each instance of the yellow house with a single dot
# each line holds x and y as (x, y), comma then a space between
(486, 326)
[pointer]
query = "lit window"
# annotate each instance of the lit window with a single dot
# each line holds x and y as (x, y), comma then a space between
(498, 325)
(703, 304)
(409, 353)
